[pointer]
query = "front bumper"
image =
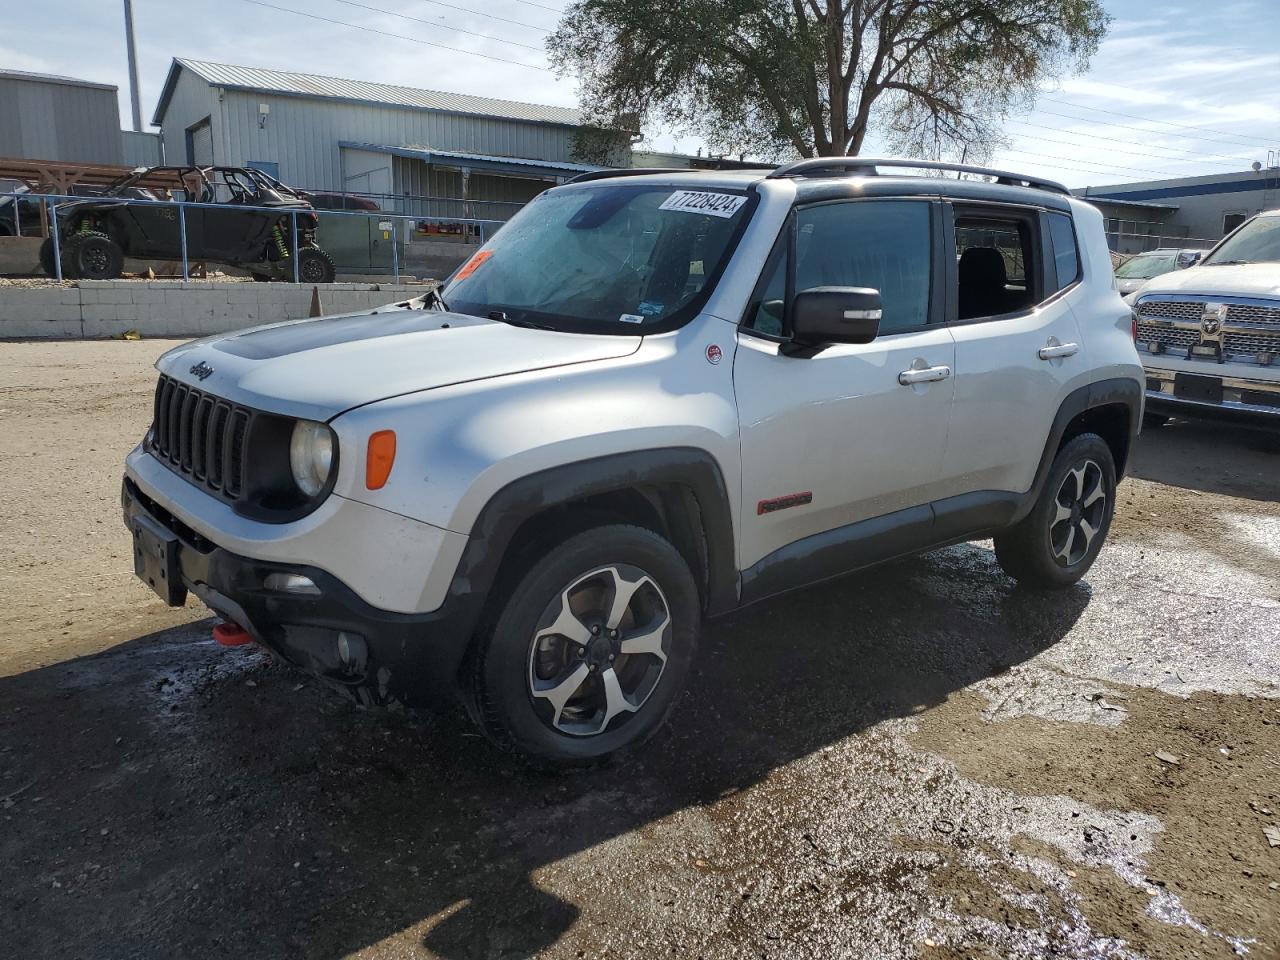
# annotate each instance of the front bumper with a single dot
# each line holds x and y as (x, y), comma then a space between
(375, 654)
(1244, 400)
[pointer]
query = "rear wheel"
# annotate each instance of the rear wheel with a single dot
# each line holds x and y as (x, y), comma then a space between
(591, 648)
(1056, 543)
(46, 258)
(315, 266)
(91, 256)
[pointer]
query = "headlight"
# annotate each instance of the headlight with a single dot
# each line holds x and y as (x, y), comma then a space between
(311, 456)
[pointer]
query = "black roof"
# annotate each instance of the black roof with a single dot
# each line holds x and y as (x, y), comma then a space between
(833, 178)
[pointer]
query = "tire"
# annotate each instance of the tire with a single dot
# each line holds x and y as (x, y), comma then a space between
(1044, 548)
(261, 277)
(91, 256)
(571, 702)
(46, 258)
(314, 266)
(1153, 421)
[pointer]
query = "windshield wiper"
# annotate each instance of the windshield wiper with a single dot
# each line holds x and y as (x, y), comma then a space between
(1226, 263)
(432, 296)
(502, 317)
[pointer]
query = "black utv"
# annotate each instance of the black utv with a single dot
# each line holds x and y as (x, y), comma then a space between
(95, 235)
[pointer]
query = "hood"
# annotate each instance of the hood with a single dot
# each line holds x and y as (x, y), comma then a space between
(321, 367)
(1236, 280)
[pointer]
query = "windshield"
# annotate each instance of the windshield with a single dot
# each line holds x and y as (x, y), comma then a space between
(604, 258)
(1258, 241)
(1144, 268)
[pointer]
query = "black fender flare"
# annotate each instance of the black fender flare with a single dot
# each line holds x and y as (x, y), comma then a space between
(1122, 391)
(690, 468)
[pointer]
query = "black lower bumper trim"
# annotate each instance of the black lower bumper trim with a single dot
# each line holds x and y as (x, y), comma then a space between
(414, 659)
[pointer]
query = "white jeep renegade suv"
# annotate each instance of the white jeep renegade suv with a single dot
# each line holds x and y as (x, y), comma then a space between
(652, 397)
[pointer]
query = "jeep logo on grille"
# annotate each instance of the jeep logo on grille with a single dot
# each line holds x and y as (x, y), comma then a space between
(1211, 321)
(202, 370)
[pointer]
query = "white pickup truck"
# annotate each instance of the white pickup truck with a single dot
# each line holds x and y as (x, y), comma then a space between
(1209, 336)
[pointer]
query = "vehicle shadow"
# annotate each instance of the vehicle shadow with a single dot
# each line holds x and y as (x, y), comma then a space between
(169, 798)
(1212, 457)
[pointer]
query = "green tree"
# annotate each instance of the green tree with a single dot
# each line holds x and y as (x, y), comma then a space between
(931, 77)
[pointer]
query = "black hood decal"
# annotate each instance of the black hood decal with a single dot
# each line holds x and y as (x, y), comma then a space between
(279, 341)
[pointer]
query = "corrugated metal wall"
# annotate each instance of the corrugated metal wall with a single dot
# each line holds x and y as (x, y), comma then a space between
(302, 135)
(491, 197)
(140, 149)
(191, 102)
(46, 120)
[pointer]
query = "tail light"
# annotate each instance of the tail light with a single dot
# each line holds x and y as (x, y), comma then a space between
(1133, 326)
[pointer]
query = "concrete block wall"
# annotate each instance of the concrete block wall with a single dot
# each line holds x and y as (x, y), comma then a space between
(95, 309)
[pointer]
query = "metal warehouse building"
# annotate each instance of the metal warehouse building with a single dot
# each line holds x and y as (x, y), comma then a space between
(64, 120)
(1189, 211)
(419, 152)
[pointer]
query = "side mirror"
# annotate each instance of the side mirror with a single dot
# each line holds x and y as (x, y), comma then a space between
(826, 315)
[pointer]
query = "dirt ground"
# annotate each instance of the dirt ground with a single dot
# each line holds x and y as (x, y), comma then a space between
(922, 761)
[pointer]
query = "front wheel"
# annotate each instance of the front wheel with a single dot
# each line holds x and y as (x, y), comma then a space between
(1056, 543)
(591, 648)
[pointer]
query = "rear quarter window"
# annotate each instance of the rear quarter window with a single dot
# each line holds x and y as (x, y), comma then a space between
(1066, 258)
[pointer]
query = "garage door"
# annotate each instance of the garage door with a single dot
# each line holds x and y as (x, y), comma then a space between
(200, 144)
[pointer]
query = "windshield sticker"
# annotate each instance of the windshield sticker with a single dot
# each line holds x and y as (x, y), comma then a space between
(470, 266)
(713, 204)
(631, 318)
(649, 308)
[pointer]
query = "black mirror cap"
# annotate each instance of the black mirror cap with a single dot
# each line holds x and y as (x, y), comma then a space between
(825, 315)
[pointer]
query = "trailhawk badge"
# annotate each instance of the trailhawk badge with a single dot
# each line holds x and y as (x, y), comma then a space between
(714, 354)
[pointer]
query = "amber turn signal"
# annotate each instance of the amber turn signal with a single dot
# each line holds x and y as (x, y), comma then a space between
(382, 454)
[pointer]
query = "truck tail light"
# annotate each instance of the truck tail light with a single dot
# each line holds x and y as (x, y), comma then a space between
(382, 455)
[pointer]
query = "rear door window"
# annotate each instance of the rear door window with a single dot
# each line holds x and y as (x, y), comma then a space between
(997, 267)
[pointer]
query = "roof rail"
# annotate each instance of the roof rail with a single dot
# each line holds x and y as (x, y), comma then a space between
(866, 166)
(627, 172)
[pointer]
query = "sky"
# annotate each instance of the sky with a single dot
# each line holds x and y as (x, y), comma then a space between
(1174, 90)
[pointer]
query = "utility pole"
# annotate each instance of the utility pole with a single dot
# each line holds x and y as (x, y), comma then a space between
(134, 96)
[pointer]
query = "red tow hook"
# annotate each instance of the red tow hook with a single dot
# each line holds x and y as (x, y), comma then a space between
(231, 635)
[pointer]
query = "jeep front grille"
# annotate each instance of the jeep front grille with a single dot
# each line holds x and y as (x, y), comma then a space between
(1250, 334)
(200, 437)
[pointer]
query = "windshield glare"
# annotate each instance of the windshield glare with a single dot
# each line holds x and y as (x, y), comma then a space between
(603, 258)
(1144, 268)
(1258, 241)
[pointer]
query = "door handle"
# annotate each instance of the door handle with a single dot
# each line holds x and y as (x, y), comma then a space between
(923, 375)
(1056, 351)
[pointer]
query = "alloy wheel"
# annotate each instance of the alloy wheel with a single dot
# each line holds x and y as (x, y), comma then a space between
(1080, 509)
(600, 650)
